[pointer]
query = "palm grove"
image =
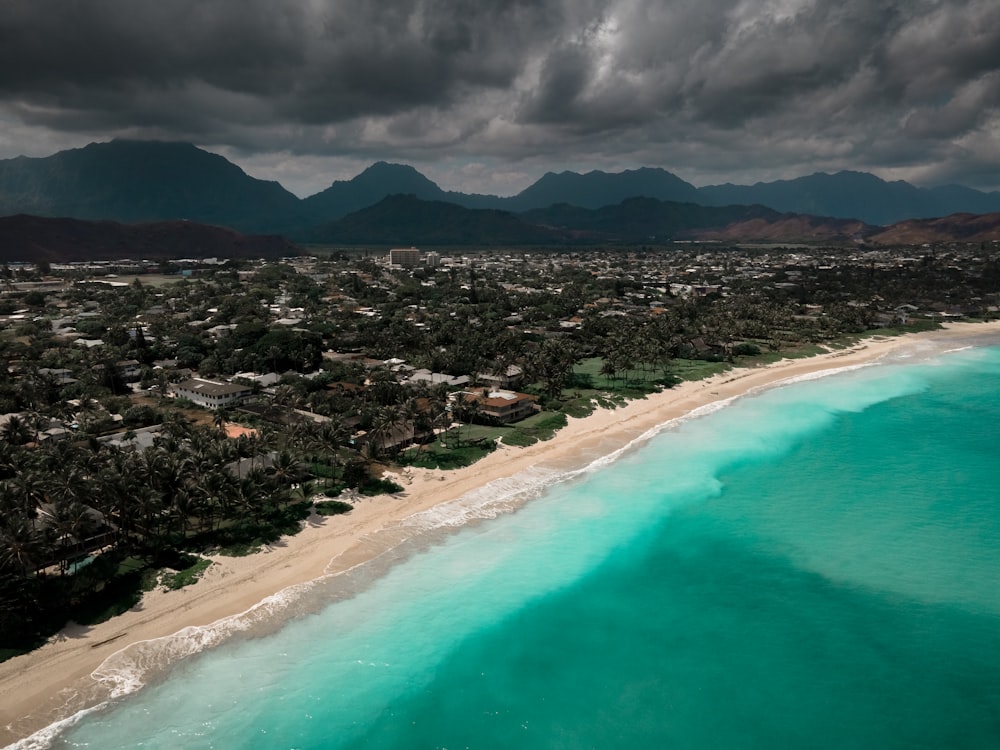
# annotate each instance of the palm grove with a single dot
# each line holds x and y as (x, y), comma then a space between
(580, 329)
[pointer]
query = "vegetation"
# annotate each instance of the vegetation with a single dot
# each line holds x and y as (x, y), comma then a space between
(333, 508)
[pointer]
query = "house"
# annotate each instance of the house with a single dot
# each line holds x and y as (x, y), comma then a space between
(509, 378)
(57, 375)
(211, 395)
(426, 377)
(503, 406)
(129, 369)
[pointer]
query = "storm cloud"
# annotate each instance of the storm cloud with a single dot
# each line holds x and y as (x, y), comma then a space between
(484, 93)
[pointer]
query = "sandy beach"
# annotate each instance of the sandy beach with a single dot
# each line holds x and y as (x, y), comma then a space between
(56, 680)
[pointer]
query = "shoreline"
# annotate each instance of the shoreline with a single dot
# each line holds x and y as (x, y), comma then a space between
(55, 681)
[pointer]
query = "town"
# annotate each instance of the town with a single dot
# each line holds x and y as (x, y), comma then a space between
(153, 411)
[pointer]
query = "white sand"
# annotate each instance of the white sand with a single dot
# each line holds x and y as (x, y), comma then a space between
(51, 682)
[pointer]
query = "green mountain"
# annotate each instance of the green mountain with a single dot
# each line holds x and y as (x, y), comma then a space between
(407, 220)
(856, 195)
(380, 180)
(596, 189)
(643, 219)
(132, 181)
(34, 238)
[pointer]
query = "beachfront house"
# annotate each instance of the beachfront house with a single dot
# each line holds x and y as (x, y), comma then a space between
(502, 406)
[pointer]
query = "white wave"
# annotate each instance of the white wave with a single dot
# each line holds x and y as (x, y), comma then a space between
(509, 493)
(818, 375)
(127, 670)
(489, 501)
(43, 738)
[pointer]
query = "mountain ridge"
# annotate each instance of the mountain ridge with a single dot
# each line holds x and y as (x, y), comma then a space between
(406, 220)
(410, 220)
(27, 238)
(133, 181)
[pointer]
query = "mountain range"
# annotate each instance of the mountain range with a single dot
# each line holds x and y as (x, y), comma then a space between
(131, 182)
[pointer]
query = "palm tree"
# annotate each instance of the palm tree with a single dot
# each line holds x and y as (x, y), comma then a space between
(30, 493)
(219, 418)
(16, 431)
(70, 523)
(389, 430)
(284, 468)
(10, 460)
(250, 495)
(21, 545)
(69, 485)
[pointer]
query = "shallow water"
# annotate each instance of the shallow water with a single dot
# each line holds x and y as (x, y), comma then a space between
(816, 566)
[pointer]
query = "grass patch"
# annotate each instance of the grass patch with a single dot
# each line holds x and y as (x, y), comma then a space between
(632, 384)
(610, 402)
(578, 407)
(519, 439)
(240, 549)
(187, 576)
(333, 508)
(541, 426)
(436, 456)
(475, 434)
(247, 538)
(379, 487)
(697, 369)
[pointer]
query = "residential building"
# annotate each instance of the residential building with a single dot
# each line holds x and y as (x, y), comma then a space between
(503, 406)
(211, 395)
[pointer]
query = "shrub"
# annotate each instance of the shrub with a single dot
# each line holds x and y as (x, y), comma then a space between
(333, 507)
(746, 349)
(379, 487)
(186, 577)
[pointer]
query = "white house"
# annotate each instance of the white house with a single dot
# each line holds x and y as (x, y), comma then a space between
(211, 395)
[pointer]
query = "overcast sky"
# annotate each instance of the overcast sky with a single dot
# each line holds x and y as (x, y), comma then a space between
(487, 95)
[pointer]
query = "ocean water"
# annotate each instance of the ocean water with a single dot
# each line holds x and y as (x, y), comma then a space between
(814, 566)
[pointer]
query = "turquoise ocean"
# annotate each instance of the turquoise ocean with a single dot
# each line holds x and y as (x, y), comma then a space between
(813, 566)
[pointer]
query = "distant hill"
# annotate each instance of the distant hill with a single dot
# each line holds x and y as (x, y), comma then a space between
(844, 195)
(407, 220)
(789, 228)
(368, 188)
(856, 195)
(33, 238)
(641, 220)
(596, 189)
(954, 228)
(133, 181)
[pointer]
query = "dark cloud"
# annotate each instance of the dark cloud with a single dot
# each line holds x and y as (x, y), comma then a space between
(714, 89)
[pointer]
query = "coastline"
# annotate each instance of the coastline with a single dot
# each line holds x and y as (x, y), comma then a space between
(47, 684)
